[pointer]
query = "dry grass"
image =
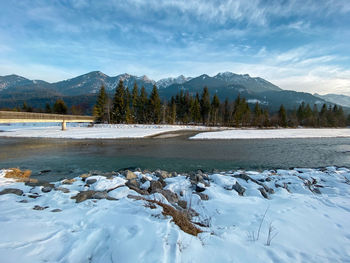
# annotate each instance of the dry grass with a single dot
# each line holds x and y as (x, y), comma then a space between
(180, 218)
(20, 176)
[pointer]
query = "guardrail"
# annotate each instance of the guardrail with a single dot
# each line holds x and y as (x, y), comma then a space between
(18, 117)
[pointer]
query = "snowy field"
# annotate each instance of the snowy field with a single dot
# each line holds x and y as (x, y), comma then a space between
(306, 210)
(100, 131)
(273, 133)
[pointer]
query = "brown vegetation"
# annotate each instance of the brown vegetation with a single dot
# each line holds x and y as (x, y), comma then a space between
(20, 176)
(180, 218)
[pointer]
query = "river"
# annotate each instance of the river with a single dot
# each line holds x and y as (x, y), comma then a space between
(67, 158)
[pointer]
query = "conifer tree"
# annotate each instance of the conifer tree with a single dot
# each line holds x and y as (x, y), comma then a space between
(257, 121)
(155, 106)
(100, 109)
(205, 106)
(48, 108)
(172, 111)
(196, 110)
(134, 102)
(142, 103)
(282, 117)
(215, 104)
(60, 107)
(118, 111)
(226, 113)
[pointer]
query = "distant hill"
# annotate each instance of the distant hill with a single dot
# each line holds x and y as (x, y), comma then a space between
(342, 100)
(14, 90)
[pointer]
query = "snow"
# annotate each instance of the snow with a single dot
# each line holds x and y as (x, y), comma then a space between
(310, 227)
(99, 131)
(273, 133)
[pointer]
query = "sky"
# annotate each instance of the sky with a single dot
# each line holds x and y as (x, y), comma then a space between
(301, 45)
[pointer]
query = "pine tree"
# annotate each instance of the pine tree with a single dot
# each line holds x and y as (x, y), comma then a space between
(257, 121)
(155, 106)
(60, 107)
(48, 108)
(196, 110)
(134, 102)
(282, 117)
(118, 111)
(100, 109)
(205, 106)
(266, 121)
(226, 113)
(172, 111)
(215, 104)
(142, 103)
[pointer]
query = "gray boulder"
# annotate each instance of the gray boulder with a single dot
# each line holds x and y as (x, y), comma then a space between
(129, 175)
(155, 187)
(238, 188)
(11, 191)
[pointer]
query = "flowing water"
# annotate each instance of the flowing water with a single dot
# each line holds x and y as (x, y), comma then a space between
(67, 158)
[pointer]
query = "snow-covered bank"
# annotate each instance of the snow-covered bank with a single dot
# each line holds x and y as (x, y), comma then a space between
(273, 133)
(308, 209)
(100, 131)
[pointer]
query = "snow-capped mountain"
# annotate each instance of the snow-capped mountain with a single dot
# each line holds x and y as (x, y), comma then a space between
(166, 82)
(253, 84)
(14, 90)
(91, 83)
(15, 81)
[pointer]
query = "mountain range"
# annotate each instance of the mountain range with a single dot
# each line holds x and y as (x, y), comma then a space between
(15, 90)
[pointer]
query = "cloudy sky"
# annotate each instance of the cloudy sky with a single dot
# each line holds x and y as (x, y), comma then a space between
(302, 45)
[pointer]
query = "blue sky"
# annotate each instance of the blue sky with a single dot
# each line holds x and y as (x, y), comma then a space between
(302, 45)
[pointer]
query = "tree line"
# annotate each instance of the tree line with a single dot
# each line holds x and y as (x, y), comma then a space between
(139, 107)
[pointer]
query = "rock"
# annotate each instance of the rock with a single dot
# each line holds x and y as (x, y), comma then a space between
(99, 195)
(135, 197)
(38, 207)
(263, 192)
(69, 181)
(46, 189)
(182, 204)
(62, 189)
(170, 196)
(203, 196)
(90, 181)
(162, 174)
(155, 186)
(238, 188)
(23, 201)
(134, 183)
(56, 210)
(34, 196)
(129, 175)
(199, 189)
(242, 176)
(143, 180)
(162, 182)
(11, 191)
(90, 194)
(44, 171)
(137, 189)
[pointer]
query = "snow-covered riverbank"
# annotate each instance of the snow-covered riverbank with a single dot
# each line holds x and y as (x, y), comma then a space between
(307, 210)
(274, 133)
(100, 131)
(120, 131)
